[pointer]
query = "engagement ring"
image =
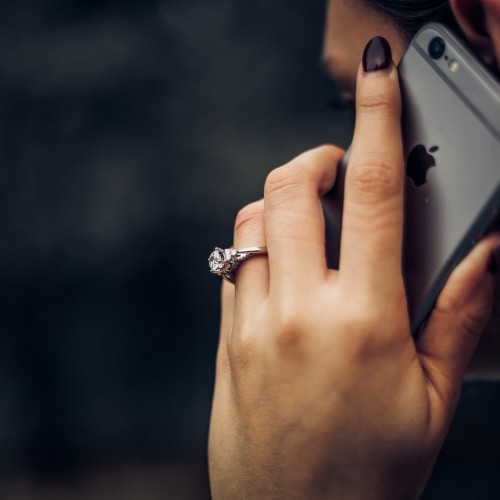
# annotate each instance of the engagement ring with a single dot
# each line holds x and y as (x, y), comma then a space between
(224, 261)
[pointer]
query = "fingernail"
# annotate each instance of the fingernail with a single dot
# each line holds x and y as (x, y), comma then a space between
(494, 265)
(377, 55)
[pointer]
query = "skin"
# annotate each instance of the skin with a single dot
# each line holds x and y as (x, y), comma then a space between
(319, 392)
(348, 28)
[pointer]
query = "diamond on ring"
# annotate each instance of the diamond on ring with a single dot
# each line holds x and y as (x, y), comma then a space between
(224, 262)
(219, 260)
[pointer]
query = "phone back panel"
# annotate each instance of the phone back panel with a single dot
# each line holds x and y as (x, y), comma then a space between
(451, 106)
(451, 133)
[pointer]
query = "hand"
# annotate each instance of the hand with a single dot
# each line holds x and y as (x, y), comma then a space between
(321, 391)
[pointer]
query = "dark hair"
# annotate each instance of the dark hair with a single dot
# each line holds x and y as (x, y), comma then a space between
(410, 15)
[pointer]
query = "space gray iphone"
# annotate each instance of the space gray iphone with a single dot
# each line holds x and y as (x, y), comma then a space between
(451, 136)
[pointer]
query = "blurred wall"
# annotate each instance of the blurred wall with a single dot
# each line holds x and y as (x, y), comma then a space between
(131, 133)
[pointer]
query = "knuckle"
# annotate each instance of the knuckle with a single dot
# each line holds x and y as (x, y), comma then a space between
(377, 178)
(250, 215)
(285, 181)
(289, 337)
(289, 334)
(223, 366)
(369, 330)
(242, 350)
(475, 320)
(447, 305)
(380, 103)
(364, 322)
(330, 149)
(471, 317)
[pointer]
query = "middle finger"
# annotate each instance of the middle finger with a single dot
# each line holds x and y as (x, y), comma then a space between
(294, 221)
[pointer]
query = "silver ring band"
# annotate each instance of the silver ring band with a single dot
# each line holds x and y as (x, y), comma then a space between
(224, 261)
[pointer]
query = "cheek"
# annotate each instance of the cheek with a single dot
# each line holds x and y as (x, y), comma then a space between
(349, 27)
(342, 55)
(342, 68)
(343, 45)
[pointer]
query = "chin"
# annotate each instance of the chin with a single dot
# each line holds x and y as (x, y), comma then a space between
(347, 97)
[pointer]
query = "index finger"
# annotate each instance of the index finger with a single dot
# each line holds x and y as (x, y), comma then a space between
(372, 224)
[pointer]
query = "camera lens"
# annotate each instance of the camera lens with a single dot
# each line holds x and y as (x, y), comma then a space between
(436, 47)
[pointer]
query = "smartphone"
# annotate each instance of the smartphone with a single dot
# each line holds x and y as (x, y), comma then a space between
(451, 138)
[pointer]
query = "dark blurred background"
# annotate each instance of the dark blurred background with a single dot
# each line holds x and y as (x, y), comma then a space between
(132, 131)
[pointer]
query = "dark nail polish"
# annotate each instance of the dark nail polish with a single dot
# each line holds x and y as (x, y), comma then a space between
(494, 265)
(377, 55)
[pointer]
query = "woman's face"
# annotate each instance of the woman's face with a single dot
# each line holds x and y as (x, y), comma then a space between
(350, 24)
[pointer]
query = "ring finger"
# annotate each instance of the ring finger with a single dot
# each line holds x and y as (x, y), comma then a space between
(252, 275)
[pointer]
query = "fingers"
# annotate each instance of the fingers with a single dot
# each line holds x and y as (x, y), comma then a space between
(227, 310)
(462, 311)
(252, 276)
(226, 326)
(372, 222)
(251, 279)
(294, 218)
(291, 226)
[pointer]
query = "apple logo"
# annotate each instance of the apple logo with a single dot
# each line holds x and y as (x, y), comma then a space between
(419, 162)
